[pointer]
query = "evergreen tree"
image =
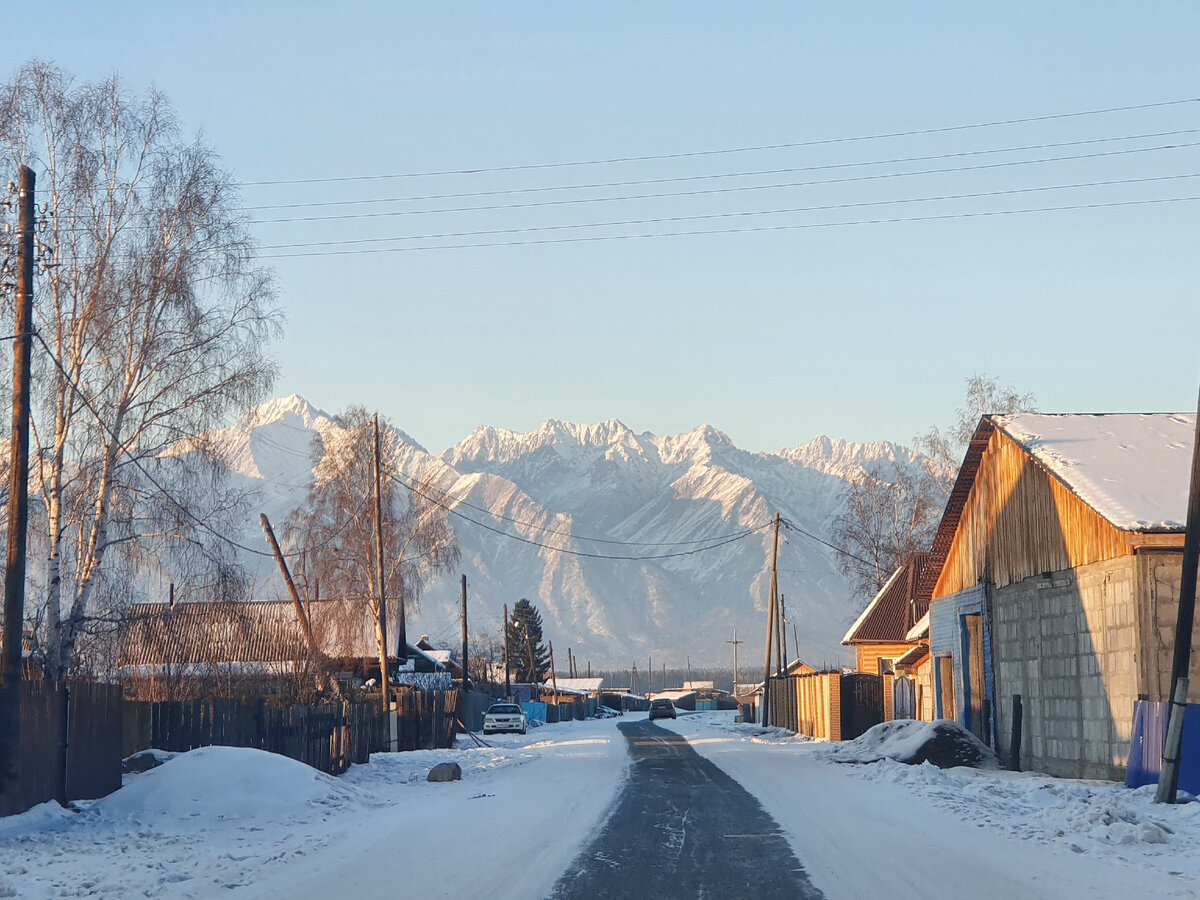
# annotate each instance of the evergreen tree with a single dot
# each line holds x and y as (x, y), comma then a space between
(524, 633)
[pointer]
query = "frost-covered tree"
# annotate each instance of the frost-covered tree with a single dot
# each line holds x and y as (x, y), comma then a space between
(334, 531)
(152, 328)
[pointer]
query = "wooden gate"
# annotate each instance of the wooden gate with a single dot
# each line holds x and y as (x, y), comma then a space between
(862, 704)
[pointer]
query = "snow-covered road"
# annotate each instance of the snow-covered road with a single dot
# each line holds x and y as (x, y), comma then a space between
(223, 822)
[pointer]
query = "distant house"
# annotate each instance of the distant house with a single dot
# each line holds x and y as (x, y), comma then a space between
(255, 643)
(879, 635)
(1055, 576)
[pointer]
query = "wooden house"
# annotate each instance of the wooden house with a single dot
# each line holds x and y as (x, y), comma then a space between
(194, 648)
(1055, 577)
(879, 635)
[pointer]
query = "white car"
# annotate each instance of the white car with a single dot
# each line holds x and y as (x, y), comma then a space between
(504, 717)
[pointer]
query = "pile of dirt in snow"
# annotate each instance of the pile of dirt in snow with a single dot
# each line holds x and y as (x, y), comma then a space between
(943, 743)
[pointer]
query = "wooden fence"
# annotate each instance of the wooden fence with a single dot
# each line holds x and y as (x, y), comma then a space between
(328, 736)
(827, 705)
(426, 720)
(70, 743)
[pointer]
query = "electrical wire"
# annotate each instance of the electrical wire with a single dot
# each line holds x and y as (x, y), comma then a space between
(203, 525)
(715, 231)
(524, 540)
(880, 176)
(687, 178)
(731, 150)
(735, 215)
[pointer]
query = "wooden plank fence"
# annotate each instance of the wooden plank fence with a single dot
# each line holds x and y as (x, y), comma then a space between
(328, 737)
(70, 743)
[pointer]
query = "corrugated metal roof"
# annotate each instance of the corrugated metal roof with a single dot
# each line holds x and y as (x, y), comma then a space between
(895, 609)
(260, 631)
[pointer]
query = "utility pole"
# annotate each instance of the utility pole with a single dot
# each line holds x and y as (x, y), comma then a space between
(649, 675)
(771, 612)
(18, 503)
(783, 629)
(464, 632)
(532, 658)
(633, 680)
(385, 683)
(316, 657)
(553, 675)
(507, 679)
(1168, 782)
(735, 643)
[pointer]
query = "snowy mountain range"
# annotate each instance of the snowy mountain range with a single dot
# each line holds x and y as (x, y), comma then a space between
(627, 543)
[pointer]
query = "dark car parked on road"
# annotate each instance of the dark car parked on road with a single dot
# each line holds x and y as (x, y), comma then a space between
(662, 709)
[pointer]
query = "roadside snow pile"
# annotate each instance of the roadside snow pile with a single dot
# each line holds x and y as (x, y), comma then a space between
(215, 783)
(945, 744)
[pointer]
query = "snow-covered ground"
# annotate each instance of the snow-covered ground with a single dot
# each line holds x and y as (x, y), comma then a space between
(241, 823)
(887, 829)
(226, 822)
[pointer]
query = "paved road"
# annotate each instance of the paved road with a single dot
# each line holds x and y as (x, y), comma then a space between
(683, 829)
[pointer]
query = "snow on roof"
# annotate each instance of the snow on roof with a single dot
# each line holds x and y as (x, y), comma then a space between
(1132, 468)
(581, 684)
(920, 630)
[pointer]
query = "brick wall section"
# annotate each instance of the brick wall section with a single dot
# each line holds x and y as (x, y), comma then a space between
(1067, 645)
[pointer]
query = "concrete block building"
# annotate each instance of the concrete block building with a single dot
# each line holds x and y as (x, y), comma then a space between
(1055, 577)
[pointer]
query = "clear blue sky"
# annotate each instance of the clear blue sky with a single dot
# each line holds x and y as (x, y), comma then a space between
(862, 331)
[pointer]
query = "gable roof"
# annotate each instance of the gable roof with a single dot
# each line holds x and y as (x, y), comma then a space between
(256, 631)
(1133, 469)
(895, 609)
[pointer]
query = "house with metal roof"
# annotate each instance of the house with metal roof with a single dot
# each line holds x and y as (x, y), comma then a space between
(879, 636)
(1054, 583)
(259, 642)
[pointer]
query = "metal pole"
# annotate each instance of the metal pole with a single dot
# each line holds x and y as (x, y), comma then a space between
(18, 503)
(1168, 782)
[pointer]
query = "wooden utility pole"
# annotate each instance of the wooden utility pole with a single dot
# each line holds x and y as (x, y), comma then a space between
(553, 676)
(18, 503)
(315, 656)
(385, 682)
(1168, 782)
(507, 680)
(533, 679)
(783, 629)
(464, 632)
(735, 643)
(771, 626)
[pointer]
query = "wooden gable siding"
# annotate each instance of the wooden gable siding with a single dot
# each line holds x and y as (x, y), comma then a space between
(1020, 521)
(870, 654)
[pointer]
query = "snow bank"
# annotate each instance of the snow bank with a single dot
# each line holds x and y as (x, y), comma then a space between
(244, 823)
(889, 829)
(216, 783)
(942, 743)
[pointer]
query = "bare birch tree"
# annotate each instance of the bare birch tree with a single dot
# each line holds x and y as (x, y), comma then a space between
(885, 520)
(154, 327)
(335, 530)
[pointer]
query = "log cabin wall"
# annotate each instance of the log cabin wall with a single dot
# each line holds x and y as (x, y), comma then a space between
(868, 655)
(1019, 521)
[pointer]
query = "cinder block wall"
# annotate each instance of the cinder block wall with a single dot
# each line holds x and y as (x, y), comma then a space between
(1068, 644)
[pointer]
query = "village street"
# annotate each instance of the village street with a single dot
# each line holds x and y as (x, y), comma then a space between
(578, 800)
(682, 828)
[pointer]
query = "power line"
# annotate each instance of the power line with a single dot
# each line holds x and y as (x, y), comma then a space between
(158, 486)
(736, 215)
(524, 540)
(730, 150)
(727, 190)
(748, 230)
(529, 524)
